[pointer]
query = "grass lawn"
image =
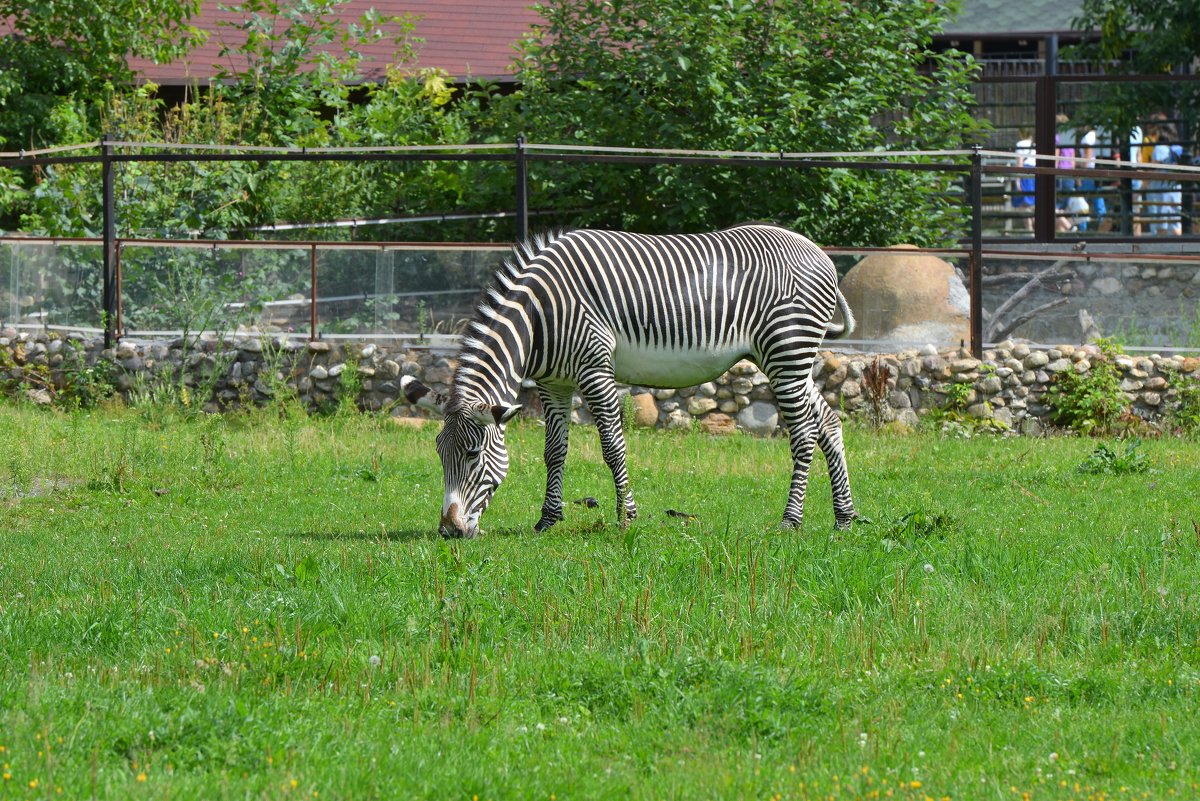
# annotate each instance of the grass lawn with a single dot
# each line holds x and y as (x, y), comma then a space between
(255, 607)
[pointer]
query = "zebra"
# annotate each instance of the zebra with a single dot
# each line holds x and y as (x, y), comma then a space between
(588, 308)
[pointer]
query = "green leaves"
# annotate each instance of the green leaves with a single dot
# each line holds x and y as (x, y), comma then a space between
(734, 76)
(1139, 38)
(1090, 402)
(1111, 460)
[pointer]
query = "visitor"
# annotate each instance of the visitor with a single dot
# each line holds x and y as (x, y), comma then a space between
(1090, 148)
(1064, 148)
(1165, 196)
(1022, 201)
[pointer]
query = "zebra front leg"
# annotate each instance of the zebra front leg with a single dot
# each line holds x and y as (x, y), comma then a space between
(829, 438)
(800, 416)
(600, 392)
(556, 406)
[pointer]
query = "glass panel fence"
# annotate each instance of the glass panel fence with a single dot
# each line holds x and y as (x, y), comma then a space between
(423, 295)
(50, 286)
(1143, 301)
(169, 291)
(904, 298)
(909, 299)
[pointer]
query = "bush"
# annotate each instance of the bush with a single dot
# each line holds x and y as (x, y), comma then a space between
(1184, 414)
(1106, 460)
(74, 384)
(1091, 402)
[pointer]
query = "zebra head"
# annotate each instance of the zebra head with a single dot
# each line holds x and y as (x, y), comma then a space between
(474, 457)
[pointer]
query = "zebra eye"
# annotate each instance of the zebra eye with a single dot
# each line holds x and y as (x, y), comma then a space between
(473, 450)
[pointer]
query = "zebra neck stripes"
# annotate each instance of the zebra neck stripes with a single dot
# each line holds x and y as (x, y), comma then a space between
(499, 345)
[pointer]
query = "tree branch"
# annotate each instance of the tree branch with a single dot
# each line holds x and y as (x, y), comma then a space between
(992, 332)
(1021, 319)
(1012, 278)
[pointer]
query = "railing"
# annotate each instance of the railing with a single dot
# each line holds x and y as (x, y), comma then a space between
(979, 172)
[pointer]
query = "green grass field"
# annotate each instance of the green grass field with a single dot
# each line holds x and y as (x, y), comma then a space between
(255, 607)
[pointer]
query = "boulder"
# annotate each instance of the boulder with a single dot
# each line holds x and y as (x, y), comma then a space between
(908, 296)
(645, 410)
(759, 418)
(718, 424)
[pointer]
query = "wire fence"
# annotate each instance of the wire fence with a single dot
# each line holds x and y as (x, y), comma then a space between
(422, 293)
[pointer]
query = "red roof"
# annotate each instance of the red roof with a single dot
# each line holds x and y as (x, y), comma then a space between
(466, 38)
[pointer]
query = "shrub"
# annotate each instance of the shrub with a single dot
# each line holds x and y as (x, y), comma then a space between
(1091, 402)
(1107, 460)
(1184, 414)
(951, 417)
(74, 384)
(875, 387)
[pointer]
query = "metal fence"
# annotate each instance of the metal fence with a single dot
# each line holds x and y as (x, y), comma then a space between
(423, 292)
(1038, 102)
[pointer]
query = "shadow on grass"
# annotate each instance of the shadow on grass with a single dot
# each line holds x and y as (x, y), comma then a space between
(406, 534)
(396, 535)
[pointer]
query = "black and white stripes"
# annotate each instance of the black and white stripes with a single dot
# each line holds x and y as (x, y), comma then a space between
(587, 309)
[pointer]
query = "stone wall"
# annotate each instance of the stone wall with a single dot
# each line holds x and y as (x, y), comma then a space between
(1007, 385)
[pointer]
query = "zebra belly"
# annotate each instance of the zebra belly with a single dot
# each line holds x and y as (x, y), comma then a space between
(650, 366)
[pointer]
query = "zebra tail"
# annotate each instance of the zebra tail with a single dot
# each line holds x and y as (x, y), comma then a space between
(835, 331)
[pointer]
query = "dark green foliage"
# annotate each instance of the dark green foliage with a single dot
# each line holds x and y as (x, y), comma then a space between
(1091, 402)
(1111, 460)
(72, 384)
(78, 47)
(788, 77)
(824, 76)
(1144, 39)
(1185, 413)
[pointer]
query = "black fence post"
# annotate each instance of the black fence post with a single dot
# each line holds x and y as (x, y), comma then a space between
(522, 164)
(312, 298)
(976, 263)
(108, 300)
(1044, 199)
(1188, 196)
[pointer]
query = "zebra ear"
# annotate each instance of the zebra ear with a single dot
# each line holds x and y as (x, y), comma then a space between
(420, 395)
(494, 415)
(502, 414)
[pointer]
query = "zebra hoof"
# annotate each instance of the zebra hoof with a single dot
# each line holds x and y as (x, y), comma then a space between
(546, 522)
(792, 523)
(844, 523)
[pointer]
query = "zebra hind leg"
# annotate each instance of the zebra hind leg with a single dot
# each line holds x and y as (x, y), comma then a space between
(556, 405)
(800, 417)
(600, 392)
(829, 438)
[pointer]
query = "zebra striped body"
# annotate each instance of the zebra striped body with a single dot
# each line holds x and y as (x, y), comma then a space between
(589, 309)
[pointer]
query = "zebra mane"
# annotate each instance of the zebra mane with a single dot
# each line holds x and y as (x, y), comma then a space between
(488, 306)
(511, 269)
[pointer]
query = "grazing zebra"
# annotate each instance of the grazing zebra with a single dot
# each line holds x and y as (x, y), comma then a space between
(587, 309)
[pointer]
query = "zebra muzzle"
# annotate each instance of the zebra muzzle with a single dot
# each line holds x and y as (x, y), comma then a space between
(453, 523)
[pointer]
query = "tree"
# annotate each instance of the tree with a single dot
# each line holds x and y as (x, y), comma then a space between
(64, 47)
(290, 90)
(732, 75)
(1141, 38)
